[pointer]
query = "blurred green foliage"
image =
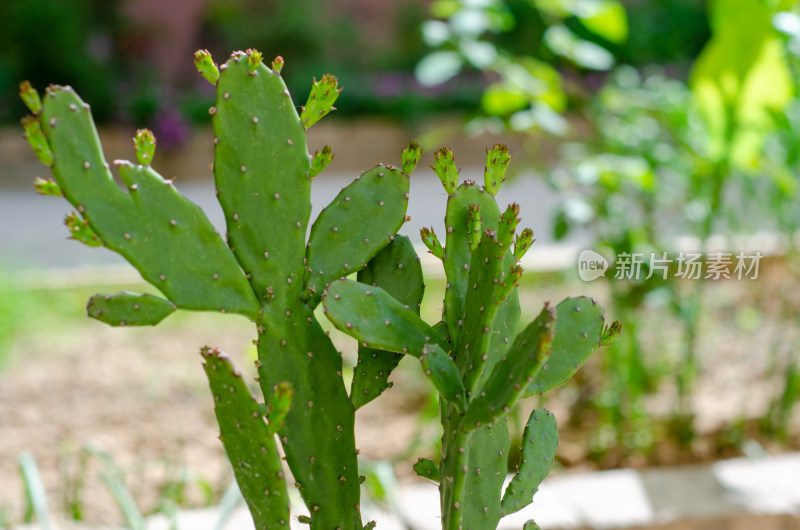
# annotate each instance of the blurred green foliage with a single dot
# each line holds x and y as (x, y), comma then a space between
(71, 41)
(705, 143)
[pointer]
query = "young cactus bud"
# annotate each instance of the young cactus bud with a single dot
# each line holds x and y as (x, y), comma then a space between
(508, 283)
(145, 145)
(80, 230)
(610, 333)
(279, 406)
(445, 168)
(427, 468)
(205, 65)
(320, 102)
(411, 156)
(497, 159)
(320, 161)
(432, 242)
(47, 187)
(277, 64)
(30, 97)
(474, 226)
(523, 243)
(507, 226)
(253, 60)
(37, 141)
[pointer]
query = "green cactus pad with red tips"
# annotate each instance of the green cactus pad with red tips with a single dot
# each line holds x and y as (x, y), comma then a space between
(47, 187)
(129, 309)
(432, 242)
(79, 230)
(321, 99)
(397, 270)
(354, 227)
(497, 160)
(522, 243)
(37, 141)
(444, 166)
(579, 326)
(30, 97)
(320, 161)
(206, 66)
(410, 157)
(250, 446)
(539, 445)
(144, 143)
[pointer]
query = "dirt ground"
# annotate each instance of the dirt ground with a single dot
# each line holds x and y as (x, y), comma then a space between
(141, 395)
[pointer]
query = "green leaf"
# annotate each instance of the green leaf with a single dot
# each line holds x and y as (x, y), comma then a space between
(605, 18)
(737, 82)
(582, 52)
(438, 67)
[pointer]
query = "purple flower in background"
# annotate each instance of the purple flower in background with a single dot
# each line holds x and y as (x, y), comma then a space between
(170, 129)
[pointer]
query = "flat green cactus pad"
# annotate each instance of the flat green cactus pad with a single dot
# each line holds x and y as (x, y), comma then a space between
(579, 326)
(539, 445)
(250, 447)
(129, 309)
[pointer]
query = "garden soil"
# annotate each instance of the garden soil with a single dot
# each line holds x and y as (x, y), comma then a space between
(140, 395)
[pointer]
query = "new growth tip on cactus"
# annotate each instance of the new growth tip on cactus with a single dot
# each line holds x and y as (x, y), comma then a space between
(267, 269)
(475, 357)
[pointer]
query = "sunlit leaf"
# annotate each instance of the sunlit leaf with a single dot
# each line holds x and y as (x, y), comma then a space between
(438, 67)
(582, 52)
(607, 19)
(498, 100)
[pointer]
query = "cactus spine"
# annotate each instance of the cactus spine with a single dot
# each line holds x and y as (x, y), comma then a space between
(487, 366)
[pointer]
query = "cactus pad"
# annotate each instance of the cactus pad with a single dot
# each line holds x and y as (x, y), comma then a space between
(579, 326)
(539, 445)
(341, 242)
(397, 270)
(129, 309)
(250, 447)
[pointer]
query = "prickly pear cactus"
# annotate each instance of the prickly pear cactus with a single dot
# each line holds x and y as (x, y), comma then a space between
(264, 269)
(476, 359)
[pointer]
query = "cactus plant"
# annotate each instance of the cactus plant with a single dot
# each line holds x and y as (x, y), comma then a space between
(475, 357)
(267, 270)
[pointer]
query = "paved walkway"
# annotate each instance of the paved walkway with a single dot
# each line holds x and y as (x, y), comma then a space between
(32, 234)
